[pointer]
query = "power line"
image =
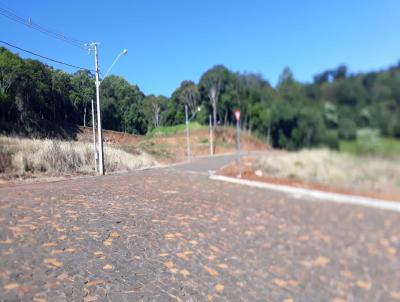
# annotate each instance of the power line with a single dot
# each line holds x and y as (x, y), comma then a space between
(44, 57)
(10, 14)
(32, 25)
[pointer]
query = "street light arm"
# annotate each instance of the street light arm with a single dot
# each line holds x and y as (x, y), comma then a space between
(124, 52)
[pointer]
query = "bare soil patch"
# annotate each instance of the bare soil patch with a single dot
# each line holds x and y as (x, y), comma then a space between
(110, 137)
(173, 148)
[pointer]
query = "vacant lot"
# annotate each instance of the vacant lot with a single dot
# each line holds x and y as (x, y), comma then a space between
(168, 144)
(21, 157)
(337, 170)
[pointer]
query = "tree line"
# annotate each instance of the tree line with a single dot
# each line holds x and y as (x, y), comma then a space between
(38, 100)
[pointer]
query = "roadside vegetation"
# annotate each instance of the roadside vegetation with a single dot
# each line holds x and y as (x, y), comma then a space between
(334, 169)
(176, 129)
(383, 146)
(22, 156)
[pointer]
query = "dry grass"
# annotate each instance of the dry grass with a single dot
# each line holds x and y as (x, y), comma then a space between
(20, 155)
(334, 169)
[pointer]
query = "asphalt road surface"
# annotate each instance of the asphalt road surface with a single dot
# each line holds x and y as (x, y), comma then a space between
(173, 235)
(205, 164)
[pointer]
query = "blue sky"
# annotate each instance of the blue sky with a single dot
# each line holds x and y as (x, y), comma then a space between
(170, 41)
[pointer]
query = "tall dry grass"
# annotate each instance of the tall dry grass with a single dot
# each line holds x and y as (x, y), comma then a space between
(334, 169)
(21, 155)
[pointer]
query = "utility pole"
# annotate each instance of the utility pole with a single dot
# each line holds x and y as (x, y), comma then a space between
(211, 136)
(94, 46)
(214, 105)
(99, 129)
(187, 133)
(94, 137)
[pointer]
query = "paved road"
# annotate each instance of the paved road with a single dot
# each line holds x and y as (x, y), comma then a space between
(205, 164)
(170, 235)
(213, 163)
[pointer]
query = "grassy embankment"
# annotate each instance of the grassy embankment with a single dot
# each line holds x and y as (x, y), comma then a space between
(168, 144)
(334, 169)
(173, 130)
(21, 156)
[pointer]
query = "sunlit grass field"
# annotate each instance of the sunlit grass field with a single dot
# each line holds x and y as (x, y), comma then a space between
(172, 130)
(387, 147)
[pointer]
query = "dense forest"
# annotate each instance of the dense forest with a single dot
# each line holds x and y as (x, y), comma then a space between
(38, 100)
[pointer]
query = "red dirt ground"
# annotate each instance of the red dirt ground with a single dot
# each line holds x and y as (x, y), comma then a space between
(173, 148)
(110, 137)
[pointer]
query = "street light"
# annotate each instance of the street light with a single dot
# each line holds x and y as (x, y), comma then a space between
(124, 52)
(187, 129)
(94, 46)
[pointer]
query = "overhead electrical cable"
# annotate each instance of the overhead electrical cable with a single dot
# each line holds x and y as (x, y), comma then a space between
(28, 22)
(44, 57)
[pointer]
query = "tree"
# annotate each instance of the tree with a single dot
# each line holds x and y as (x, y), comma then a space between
(83, 91)
(212, 83)
(289, 89)
(294, 126)
(10, 68)
(152, 108)
(187, 93)
(122, 109)
(286, 77)
(330, 115)
(340, 73)
(190, 96)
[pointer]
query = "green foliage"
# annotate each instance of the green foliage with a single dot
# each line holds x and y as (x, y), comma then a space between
(122, 106)
(397, 129)
(330, 115)
(187, 94)
(152, 108)
(331, 140)
(37, 100)
(347, 129)
(172, 130)
(34, 98)
(389, 147)
(368, 141)
(294, 127)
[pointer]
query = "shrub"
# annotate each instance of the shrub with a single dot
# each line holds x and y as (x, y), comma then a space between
(330, 115)
(396, 130)
(368, 141)
(294, 127)
(331, 140)
(347, 129)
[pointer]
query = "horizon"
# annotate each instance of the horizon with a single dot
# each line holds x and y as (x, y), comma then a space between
(178, 42)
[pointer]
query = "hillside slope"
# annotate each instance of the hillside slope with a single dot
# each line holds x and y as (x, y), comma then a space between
(168, 144)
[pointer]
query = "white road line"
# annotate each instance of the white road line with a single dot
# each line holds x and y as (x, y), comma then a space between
(315, 195)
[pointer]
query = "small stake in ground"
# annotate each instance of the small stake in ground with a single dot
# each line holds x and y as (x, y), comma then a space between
(237, 116)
